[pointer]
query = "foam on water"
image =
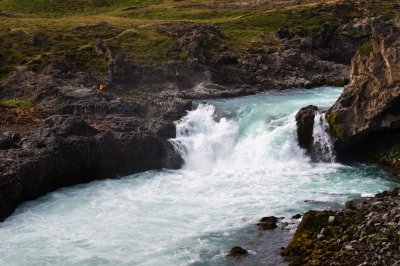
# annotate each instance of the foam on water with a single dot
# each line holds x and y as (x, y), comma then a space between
(242, 162)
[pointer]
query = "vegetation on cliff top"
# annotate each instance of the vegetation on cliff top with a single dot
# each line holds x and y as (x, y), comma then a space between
(15, 104)
(33, 33)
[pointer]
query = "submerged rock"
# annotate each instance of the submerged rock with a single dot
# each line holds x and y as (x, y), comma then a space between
(296, 216)
(237, 251)
(268, 223)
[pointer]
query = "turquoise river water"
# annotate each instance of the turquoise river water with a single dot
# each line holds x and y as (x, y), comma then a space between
(242, 162)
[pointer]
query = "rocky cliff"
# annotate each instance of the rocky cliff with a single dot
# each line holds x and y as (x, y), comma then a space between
(83, 134)
(365, 120)
(369, 105)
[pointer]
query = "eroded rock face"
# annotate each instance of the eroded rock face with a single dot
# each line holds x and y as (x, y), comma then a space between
(305, 124)
(370, 104)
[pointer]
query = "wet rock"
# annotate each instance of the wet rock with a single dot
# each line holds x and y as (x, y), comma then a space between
(237, 251)
(305, 123)
(297, 216)
(268, 223)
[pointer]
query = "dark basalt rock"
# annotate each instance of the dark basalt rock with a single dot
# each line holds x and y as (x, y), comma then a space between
(90, 134)
(268, 223)
(296, 216)
(305, 124)
(237, 251)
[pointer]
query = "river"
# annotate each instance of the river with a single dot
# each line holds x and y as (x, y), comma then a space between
(242, 162)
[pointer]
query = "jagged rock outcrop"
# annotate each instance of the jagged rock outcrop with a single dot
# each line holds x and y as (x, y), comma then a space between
(369, 108)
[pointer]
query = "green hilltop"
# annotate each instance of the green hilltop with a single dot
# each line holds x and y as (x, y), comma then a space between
(36, 32)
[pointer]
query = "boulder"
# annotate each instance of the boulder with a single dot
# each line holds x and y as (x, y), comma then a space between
(237, 251)
(268, 223)
(305, 124)
(296, 216)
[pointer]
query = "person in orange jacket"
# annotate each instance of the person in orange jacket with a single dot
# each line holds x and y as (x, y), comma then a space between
(102, 87)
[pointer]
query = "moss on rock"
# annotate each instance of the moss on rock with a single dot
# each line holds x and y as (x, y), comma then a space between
(334, 126)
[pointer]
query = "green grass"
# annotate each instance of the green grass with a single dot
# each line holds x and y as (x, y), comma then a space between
(67, 29)
(68, 7)
(15, 104)
(366, 48)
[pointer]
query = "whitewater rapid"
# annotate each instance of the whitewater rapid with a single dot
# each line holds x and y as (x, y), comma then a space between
(242, 162)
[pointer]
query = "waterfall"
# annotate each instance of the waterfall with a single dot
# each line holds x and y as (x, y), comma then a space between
(201, 140)
(208, 141)
(323, 149)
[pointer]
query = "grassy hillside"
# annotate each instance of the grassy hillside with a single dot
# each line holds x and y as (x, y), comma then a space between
(35, 32)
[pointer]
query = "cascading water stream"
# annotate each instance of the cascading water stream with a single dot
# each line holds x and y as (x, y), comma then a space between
(242, 162)
(323, 149)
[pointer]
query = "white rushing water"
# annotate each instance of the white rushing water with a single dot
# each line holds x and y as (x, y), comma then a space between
(323, 144)
(242, 162)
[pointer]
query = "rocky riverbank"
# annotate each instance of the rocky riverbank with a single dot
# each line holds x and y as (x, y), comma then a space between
(365, 232)
(73, 133)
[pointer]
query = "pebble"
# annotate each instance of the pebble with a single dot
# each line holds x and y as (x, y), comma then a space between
(348, 247)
